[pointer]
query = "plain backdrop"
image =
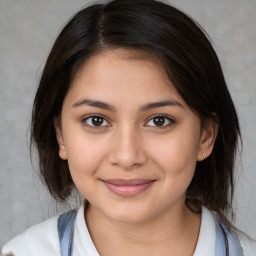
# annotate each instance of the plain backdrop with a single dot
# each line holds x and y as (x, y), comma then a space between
(28, 29)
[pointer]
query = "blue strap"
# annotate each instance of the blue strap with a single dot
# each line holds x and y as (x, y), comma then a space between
(66, 232)
(235, 248)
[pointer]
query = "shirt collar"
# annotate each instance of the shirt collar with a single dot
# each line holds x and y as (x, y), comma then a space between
(207, 235)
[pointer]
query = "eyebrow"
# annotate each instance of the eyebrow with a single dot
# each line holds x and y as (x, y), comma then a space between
(106, 106)
(158, 104)
(94, 103)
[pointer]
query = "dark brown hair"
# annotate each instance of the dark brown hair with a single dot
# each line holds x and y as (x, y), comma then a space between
(190, 63)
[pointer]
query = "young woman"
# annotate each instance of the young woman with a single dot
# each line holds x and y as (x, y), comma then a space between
(133, 111)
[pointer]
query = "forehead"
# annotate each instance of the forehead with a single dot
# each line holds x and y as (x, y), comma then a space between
(122, 73)
(106, 59)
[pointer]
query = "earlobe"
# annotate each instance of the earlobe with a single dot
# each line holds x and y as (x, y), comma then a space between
(60, 140)
(208, 137)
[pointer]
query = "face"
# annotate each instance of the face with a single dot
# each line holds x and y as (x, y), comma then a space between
(130, 140)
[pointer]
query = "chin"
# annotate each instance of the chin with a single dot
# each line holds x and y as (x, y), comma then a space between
(129, 215)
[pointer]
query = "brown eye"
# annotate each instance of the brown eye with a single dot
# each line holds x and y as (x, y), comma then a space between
(95, 121)
(160, 121)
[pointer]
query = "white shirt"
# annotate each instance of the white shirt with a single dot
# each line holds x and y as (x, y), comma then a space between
(43, 240)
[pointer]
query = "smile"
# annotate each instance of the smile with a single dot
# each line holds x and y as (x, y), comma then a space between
(127, 187)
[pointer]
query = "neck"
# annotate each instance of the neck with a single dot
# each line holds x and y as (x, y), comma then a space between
(163, 235)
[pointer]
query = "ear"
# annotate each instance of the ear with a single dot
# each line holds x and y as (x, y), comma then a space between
(60, 140)
(208, 137)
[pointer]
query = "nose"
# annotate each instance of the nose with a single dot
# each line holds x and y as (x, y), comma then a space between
(128, 149)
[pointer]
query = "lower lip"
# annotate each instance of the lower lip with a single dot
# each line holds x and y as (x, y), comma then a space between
(128, 190)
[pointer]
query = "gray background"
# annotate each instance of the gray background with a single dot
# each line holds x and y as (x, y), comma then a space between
(27, 31)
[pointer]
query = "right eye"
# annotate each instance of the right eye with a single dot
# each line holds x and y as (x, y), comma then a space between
(95, 121)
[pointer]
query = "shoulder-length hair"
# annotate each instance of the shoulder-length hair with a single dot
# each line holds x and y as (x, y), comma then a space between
(190, 62)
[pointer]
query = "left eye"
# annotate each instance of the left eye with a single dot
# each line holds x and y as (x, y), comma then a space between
(95, 121)
(159, 121)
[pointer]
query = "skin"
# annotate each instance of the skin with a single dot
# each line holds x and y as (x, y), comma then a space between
(130, 144)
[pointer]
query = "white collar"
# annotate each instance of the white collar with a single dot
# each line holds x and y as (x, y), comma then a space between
(207, 235)
(83, 244)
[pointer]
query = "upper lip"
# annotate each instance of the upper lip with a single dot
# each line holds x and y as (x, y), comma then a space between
(130, 182)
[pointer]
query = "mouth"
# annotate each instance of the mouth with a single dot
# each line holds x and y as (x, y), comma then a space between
(128, 187)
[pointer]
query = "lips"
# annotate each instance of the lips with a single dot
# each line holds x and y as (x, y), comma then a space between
(128, 187)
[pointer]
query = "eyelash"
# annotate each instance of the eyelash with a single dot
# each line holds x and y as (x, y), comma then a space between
(170, 121)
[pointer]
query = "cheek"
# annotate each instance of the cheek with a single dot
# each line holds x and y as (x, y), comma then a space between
(84, 157)
(177, 162)
(176, 155)
(176, 150)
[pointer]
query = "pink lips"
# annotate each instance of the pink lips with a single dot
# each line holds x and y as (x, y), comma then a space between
(127, 187)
